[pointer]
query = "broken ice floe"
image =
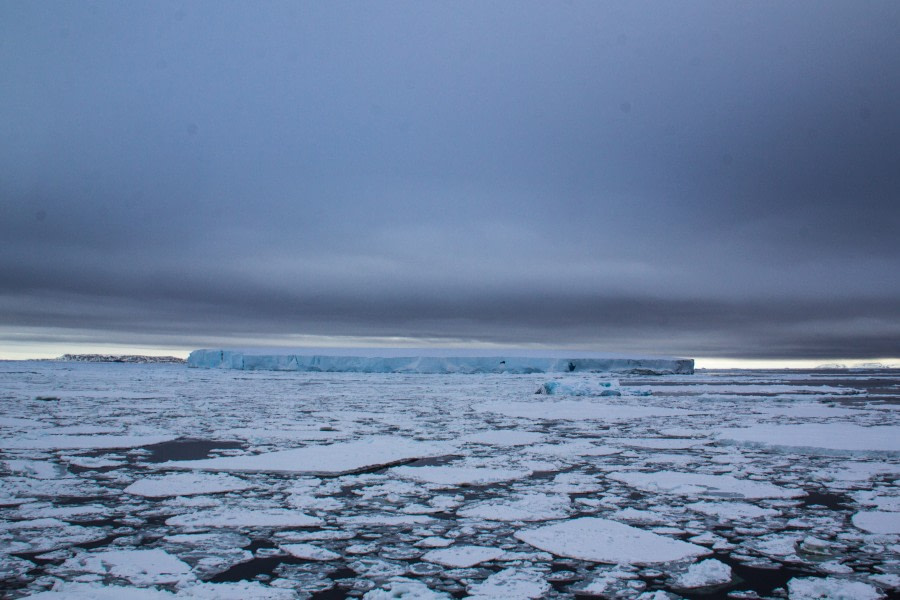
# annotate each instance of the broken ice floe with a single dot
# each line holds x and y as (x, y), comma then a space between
(831, 438)
(700, 484)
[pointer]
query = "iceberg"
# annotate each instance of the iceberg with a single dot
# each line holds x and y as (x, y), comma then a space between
(435, 364)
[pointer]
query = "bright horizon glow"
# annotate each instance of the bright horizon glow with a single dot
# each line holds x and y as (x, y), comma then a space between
(44, 350)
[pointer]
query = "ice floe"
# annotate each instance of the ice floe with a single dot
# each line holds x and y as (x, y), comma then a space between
(606, 541)
(703, 485)
(327, 459)
(838, 438)
(462, 556)
(186, 484)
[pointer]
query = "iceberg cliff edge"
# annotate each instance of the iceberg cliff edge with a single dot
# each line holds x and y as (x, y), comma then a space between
(234, 359)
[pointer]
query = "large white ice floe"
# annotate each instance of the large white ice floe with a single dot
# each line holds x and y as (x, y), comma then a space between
(706, 573)
(511, 584)
(186, 484)
(577, 410)
(328, 459)
(463, 556)
(309, 552)
(700, 484)
(69, 590)
(830, 588)
(819, 438)
(451, 476)
(82, 442)
(288, 361)
(878, 521)
(140, 567)
(401, 588)
(504, 437)
(732, 511)
(606, 541)
(236, 517)
(524, 507)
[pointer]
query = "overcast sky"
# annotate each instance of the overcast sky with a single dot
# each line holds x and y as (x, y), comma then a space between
(697, 178)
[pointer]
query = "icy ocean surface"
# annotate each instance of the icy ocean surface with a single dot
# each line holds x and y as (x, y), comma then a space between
(160, 481)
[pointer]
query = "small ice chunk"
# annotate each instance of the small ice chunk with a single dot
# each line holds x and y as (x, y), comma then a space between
(463, 556)
(309, 552)
(704, 574)
(603, 540)
(830, 588)
(580, 388)
(186, 484)
(878, 521)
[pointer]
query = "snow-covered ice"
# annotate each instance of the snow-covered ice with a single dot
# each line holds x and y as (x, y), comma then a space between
(606, 541)
(186, 484)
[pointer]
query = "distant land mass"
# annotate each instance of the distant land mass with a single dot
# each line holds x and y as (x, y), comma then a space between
(120, 358)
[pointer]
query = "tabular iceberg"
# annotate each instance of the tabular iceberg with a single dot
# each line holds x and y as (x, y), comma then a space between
(236, 359)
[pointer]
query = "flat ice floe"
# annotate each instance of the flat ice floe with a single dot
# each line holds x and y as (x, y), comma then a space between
(234, 517)
(878, 521)
(578, 410)
(732, 511)
(309, 552)
(606, 541)
(456, 476)
(186, 484)
(140, 567)
(511, 584)
(504, 437)
(525, 507)
(830, 588)
(462, 556)
(840, 438)
(328, 459)
(83, 442)
(700, 484)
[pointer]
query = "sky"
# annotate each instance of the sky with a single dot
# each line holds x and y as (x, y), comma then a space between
(704, 179)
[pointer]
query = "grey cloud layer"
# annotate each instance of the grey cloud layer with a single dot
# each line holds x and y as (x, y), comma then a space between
(699, 179)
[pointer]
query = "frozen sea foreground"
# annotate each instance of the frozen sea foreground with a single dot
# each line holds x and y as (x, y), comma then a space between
(433, 362)
(122, 481)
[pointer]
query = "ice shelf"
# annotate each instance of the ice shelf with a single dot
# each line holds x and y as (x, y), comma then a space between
(236, 359)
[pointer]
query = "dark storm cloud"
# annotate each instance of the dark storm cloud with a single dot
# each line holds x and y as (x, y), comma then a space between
(705, 178)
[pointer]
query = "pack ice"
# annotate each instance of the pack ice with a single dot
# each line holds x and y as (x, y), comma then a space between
(160, 481)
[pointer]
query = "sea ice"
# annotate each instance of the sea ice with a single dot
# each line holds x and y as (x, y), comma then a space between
(878, 521)
(504, 437)
(401, 588)
(450, 476)
(186, 484)
(524, 507)
(830, 588)
(330, 459)
(700, 484)
(578, 410)
(603, 540)
(511, 584)
(818, 438)
(83, 442)
(243, 518)
(462, 556)
(309, 552)
(732, 511)
(140, 567)
(580, 388)
(704, 574)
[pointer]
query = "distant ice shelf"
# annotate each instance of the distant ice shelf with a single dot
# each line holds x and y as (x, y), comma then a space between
(327, 363)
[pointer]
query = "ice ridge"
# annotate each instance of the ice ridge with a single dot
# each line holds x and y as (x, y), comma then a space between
(233, 359)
